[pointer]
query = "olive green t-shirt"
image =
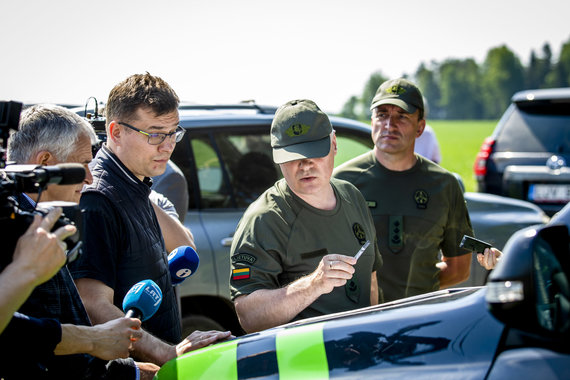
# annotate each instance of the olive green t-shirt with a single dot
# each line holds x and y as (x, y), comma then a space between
(281, 238)
(416, 212)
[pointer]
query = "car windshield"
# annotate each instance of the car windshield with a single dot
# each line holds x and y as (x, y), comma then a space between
(537, 128)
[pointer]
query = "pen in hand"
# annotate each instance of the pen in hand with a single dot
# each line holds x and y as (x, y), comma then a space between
(361, 251)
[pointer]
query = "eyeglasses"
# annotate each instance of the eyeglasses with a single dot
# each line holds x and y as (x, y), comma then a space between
(158, 138)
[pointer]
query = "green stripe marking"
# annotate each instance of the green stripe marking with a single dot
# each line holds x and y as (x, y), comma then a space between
(301, 353)
(212, 362)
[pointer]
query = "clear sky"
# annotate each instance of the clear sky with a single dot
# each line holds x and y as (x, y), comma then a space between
(272, 51)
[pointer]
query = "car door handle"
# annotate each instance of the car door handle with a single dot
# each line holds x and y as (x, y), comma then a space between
(227, 241)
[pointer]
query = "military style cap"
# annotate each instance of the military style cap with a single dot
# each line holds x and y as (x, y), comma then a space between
(399, 92)
(300, 130)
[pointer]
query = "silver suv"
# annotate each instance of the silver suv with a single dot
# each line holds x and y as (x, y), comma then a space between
(226, 158)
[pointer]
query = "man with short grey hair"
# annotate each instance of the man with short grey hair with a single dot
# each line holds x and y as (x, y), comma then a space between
(48, 135)
(293, 254)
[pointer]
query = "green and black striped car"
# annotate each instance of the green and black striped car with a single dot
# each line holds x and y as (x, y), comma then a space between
(517, 326)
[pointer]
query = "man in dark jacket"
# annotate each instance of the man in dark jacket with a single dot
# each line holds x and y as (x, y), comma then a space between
(125, 244)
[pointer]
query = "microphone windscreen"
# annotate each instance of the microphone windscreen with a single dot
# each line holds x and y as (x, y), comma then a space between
(144, 297)
(69, 174)
(182, 263)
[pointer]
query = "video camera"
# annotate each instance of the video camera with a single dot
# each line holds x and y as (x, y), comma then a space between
(18, 179)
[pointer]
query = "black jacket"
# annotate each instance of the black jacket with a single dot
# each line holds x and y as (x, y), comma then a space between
(123, 242)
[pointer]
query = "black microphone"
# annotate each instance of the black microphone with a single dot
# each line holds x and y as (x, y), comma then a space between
(61, 174)
(142, 300)
(29, 178)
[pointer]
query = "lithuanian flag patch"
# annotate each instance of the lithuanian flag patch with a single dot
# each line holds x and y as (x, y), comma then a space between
(240, 274)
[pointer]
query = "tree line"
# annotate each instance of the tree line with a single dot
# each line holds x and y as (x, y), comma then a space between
(459, 89)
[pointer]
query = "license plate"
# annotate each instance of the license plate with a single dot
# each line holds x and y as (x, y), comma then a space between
(549, 193)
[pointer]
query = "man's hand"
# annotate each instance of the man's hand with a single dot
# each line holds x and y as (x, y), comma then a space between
(199, 339)
(265, 308)
(38, 255)
(147, 370)
(107, 341)
(39, 252)
(333, 271)
(489, 258)
(114, 339)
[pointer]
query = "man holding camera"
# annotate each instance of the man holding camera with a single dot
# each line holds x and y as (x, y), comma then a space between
(50, 135)
(38, 256)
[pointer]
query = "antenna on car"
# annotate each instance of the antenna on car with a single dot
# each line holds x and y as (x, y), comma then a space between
(253, 104)
(97, 122)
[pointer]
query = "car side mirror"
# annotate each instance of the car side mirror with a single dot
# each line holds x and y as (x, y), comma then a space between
(529, 289)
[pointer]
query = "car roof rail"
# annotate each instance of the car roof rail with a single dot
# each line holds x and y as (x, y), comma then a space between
(243, 105)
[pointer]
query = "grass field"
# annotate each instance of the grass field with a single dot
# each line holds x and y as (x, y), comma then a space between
(459, 142)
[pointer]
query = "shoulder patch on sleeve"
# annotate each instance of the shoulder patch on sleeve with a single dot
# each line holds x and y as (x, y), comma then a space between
(244, 258)
(240, 273)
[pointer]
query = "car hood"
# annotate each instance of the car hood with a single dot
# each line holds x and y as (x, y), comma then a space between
(442, 332)
(501, 203)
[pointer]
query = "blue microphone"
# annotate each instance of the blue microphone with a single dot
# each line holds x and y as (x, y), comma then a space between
(182, 263)
(142, 300)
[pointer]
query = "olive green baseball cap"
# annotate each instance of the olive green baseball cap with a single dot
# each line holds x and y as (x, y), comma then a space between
(399, 92)
(300, 130)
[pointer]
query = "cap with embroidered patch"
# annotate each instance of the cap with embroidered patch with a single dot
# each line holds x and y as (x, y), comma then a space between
(300, 130)
(399, 92)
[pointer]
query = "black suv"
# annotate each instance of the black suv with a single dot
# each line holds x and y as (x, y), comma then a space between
(528, 154)
(516, 327)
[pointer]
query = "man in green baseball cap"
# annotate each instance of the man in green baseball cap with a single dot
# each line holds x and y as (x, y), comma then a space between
(300, 130)
(418, 207)
(399, 92)
(293, 250)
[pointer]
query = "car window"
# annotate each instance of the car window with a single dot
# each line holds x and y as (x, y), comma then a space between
(226, 169)
(536, 130)
(350, 145)
(230, 167)
(209, 173)
(552, 289)
(248, 160)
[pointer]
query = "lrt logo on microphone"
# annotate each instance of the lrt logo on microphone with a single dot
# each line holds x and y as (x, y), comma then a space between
(137, 287)
(156, 294)
(183, 273)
